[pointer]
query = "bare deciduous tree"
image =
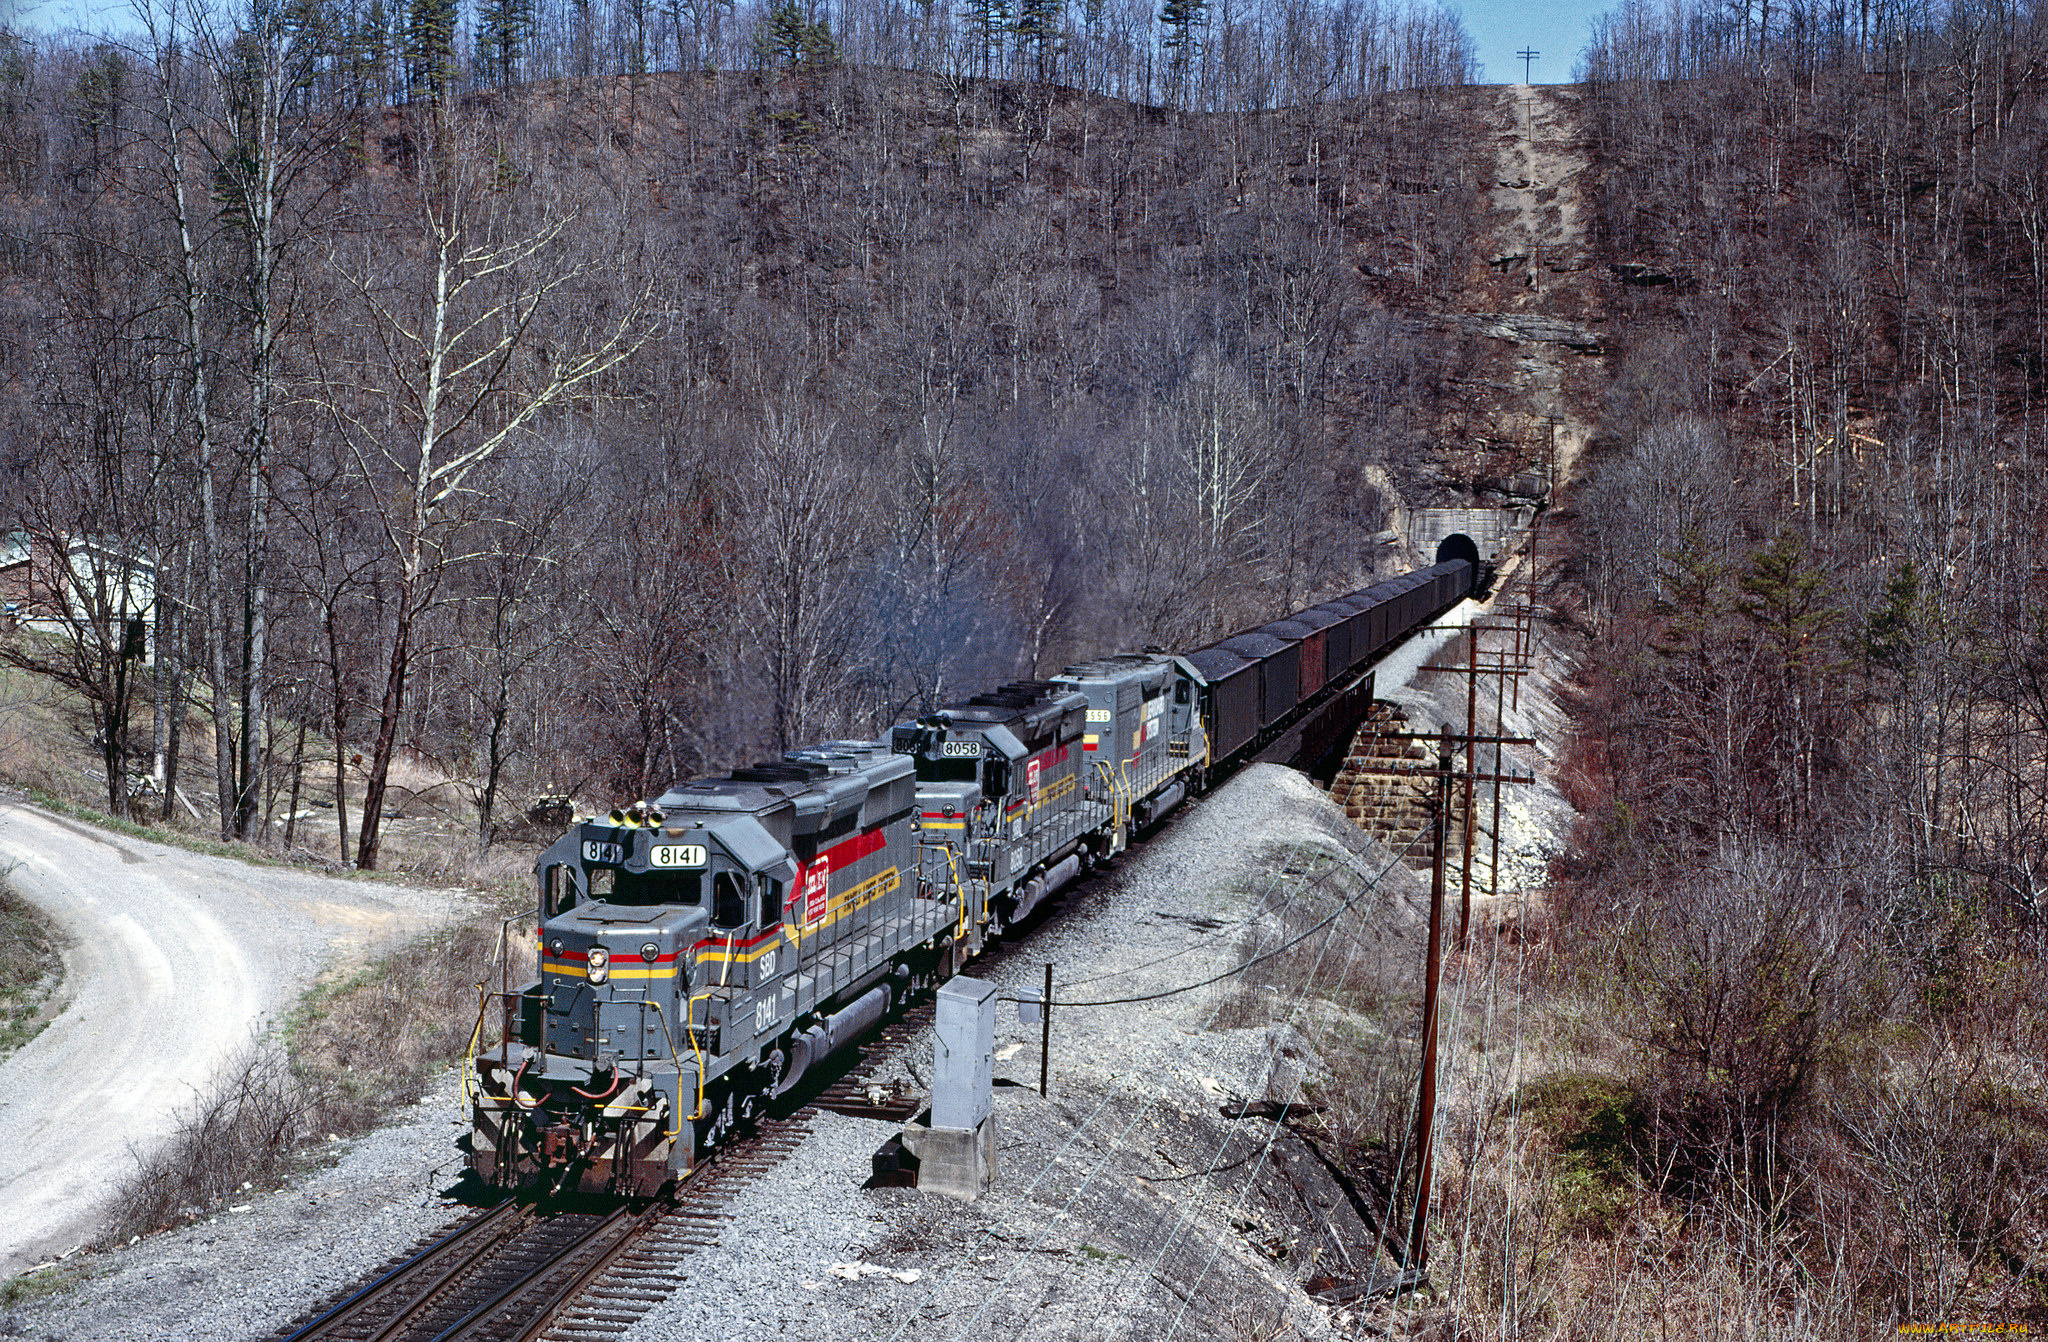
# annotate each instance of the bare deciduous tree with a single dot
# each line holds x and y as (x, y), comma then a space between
(459, 356)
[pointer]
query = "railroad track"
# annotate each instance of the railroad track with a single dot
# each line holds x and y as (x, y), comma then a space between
(517, 1271)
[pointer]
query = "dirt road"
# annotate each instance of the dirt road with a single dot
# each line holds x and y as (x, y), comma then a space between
(173, 963)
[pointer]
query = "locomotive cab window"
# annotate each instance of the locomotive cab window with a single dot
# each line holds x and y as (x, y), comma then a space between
(728, 901)
(771, 900)
(998, 783)
(1180, 692)
(642, 889)
(947, 770)
(558, 892)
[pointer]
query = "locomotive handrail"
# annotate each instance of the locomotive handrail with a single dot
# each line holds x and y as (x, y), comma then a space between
(690, 1031)
(1119, 793)
(1056, 816)
(676, 1058)
(476, 1036)
(505, 970)
(952, 871)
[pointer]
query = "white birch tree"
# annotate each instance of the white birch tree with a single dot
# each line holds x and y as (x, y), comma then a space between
(458, 356)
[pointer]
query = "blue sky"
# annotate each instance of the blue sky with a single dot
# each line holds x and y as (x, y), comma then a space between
(1557, 28)
(1499, 28)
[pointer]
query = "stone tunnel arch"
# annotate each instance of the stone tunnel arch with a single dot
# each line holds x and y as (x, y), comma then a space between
(1458, 545)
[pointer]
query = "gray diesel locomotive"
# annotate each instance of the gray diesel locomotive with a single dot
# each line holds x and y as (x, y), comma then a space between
(698, 955)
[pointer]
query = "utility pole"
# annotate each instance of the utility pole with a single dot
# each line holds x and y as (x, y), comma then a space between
(1425, 1097)
(1443, 771)
(1526, 56)
(1045, 1035)
(1507, 664)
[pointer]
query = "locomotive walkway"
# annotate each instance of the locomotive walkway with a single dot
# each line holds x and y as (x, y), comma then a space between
(173, 962)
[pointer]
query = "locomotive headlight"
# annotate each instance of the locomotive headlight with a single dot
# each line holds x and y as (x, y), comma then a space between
(600, 963)
(650, 952)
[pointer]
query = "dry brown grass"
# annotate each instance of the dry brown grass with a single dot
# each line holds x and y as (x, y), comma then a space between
(1908, 1183)
(31, 968)
(241, 1135)
(1907, 1187)
(430, 831)
(40, 743)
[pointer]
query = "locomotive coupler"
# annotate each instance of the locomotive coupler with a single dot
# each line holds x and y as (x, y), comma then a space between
(560, 1143)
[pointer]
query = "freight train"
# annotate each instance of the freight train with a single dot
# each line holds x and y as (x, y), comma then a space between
(701, 953)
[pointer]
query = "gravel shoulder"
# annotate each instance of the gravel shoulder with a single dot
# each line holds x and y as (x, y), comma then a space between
(1137, 1200)
(173, 963)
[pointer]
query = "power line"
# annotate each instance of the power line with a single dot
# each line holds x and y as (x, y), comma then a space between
(1349, 903)
(1109, 1094)
(1116, 1144)
(1185, 1220)
(1265, 1151)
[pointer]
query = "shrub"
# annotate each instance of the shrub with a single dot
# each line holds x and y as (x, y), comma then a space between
(1736, 980)
(242, 1134)
(1600, 1128)
(357, 1049)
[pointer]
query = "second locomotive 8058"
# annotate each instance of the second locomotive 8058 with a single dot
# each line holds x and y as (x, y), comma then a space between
(699, 954)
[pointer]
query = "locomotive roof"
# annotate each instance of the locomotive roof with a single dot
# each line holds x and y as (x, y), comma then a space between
(762, 786)
(1123, 665)
(1027, 701)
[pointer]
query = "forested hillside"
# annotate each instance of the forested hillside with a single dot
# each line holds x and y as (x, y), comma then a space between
(1814, 760)
(595, 430)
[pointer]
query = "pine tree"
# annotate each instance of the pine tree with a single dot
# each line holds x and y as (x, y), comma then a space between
(988, 21)
(364, 49)
(98, 97)
(1893, 628)
(1182, 18)
(1038, 33)
(788, 40)
(1785, 602)
(502, 29)
(430, 48)
(18, 140)
(1784, 596)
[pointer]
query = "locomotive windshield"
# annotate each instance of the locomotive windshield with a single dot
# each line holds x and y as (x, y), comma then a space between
(640, 889)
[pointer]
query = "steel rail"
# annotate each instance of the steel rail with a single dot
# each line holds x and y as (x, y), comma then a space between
(623, 1226)
(568, 1293)
(502, 1221)
(677, 1226)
